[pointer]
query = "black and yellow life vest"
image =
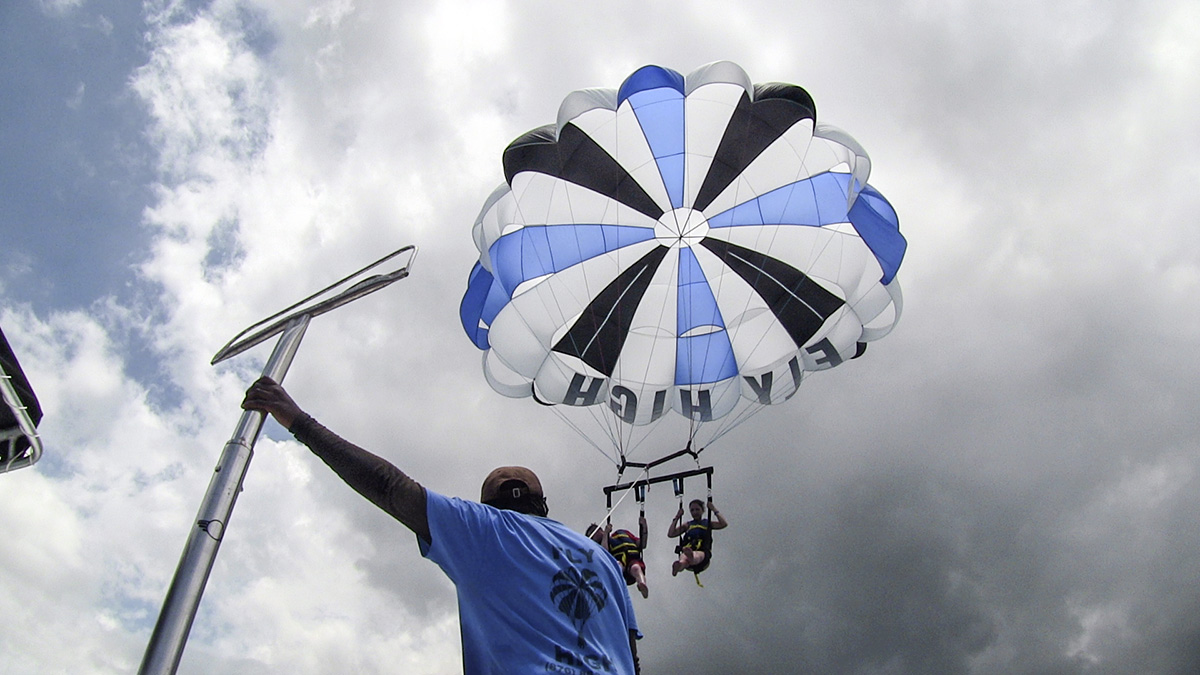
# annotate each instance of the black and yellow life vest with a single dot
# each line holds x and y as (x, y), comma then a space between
(697, 536)
(624, 546)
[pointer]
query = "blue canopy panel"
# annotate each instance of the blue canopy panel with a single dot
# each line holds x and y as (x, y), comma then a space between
(660, 114)
(816, 201)
(538, 250)
(819, 201)
(707, 357)
(650, 77)
(480, 304)
(877, 223)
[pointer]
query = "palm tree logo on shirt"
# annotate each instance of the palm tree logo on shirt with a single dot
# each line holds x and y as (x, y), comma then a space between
(578, 594)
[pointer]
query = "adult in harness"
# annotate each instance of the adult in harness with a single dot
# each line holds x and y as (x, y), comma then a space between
(695, 543)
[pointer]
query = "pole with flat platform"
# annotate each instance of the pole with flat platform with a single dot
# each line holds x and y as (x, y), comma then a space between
(183, 598)
(165, 648)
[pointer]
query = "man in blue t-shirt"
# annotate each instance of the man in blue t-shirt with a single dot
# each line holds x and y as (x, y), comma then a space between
(533, 595)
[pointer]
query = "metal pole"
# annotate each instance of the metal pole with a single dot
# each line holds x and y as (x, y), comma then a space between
(179, 608)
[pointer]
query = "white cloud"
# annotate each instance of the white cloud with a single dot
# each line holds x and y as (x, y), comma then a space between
(59, 7)
(76, 99)
(105, 465)
(17, 265)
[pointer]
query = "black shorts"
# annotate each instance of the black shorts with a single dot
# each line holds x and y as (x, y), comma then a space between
(703, 564)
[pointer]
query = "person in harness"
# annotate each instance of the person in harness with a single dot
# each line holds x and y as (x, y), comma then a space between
(627, 549)
(695, 543)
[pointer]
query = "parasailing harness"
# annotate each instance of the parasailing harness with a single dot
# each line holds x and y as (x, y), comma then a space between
(697, 536)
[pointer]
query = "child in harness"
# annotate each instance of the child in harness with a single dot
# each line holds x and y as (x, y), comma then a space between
(695, 544)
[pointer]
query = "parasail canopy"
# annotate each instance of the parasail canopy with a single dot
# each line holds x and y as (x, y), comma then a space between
(685, 246)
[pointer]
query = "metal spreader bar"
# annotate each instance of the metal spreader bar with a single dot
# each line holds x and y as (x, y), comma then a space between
(694, 454)
(707, 471)
(183, 597)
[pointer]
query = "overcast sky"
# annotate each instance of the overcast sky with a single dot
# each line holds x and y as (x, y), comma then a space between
(1008, 483)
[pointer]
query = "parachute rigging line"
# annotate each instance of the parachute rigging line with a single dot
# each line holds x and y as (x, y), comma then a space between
(575, 427)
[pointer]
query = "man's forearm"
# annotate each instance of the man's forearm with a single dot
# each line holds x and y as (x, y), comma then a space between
(371, 476)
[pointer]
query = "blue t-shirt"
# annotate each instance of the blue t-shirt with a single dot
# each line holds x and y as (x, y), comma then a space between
(533, 595)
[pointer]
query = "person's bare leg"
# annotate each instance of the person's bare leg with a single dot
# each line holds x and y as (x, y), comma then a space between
(687, 559)
(638, 570)
(684, 561)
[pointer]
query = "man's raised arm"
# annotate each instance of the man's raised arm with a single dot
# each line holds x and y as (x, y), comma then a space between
(371, 476)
